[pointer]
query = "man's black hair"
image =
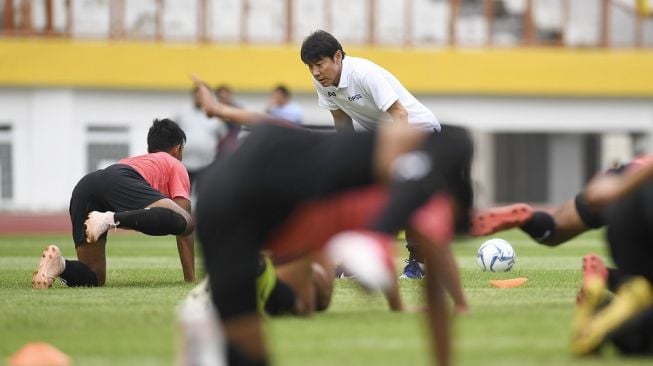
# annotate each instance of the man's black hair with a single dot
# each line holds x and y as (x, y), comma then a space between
(318, 45)
(164, 135)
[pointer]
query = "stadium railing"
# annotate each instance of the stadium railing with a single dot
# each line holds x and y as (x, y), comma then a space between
(526, 22)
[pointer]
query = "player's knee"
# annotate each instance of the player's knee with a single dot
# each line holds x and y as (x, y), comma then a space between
(235, 356)
(178, 223)
(282, 300)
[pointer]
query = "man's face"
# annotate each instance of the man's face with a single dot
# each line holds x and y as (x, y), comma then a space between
(326, 70)
(277, 98)
(224, 97)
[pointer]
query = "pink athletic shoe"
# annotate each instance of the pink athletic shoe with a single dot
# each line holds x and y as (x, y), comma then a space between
(593, 267)
(502, 218)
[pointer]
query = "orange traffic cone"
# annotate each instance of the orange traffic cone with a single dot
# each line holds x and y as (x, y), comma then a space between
(39, 354)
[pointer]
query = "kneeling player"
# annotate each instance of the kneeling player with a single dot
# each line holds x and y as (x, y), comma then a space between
(149, 193)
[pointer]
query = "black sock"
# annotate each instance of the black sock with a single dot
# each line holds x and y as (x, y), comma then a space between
(414, 256)
(78, 274)
(281, 300)
(156, 221)
(616, 278)
(540, 227)
(237, 358)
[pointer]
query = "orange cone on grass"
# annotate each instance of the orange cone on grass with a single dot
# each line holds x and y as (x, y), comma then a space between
(39, 354)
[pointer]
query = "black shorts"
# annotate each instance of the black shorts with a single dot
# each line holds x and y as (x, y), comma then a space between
(593, 220)
(245, 197)
(630, 232)
(117, 188)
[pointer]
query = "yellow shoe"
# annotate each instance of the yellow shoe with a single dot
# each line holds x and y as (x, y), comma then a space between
(590, 331)
(265, 283)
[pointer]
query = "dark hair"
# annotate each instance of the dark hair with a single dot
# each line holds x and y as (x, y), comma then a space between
(164, 135)
(283, 90)
(320, 44)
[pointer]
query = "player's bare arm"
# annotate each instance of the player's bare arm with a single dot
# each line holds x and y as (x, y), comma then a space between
(213, 108)
(342, 121)
(186, 245)
(398, 112)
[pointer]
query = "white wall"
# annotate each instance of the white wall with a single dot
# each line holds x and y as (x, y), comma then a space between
(49, 127)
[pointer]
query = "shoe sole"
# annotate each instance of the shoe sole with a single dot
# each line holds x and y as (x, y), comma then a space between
(500, 218)
(41, 278)
(633, 297)
(92, 234)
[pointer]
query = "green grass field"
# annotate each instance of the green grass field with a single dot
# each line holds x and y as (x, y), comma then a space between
(131, 320)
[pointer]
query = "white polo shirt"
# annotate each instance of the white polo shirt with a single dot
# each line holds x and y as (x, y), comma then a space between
(366, 91)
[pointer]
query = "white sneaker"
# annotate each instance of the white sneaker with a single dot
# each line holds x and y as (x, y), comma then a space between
(50, 267)
(97, 224)
(366, 255)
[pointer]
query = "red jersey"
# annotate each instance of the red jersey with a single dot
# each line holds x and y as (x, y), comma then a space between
(163, 172)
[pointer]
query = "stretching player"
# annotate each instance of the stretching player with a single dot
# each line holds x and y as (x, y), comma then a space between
(626, 204)
(564, 223)
(288, 191)
(628, 321)
(149, 193)
(356, 89)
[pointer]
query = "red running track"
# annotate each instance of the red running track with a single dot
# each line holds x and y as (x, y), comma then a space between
(15, 223)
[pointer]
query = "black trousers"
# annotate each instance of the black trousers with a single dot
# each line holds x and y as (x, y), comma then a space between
(630, 232)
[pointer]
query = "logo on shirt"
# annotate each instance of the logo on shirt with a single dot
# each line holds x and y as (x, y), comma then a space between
(355, 97)
(331, 94)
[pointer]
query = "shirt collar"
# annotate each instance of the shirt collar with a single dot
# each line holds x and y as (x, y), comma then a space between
(344, 73)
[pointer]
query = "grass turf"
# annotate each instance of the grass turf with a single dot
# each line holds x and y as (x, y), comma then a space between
(131, 320)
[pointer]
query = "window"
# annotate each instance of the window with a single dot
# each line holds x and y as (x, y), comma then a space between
(106, 145)
(6, 165)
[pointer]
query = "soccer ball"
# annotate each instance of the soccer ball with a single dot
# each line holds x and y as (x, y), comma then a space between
(495, 255)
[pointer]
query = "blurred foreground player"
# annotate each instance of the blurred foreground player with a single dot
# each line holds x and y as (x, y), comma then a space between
(620, 200)
(148, 193)
(563, 223)
(626, 203)
(288, 191)
(310, 278)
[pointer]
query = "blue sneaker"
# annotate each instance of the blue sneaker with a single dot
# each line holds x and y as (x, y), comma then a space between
(414, 270)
